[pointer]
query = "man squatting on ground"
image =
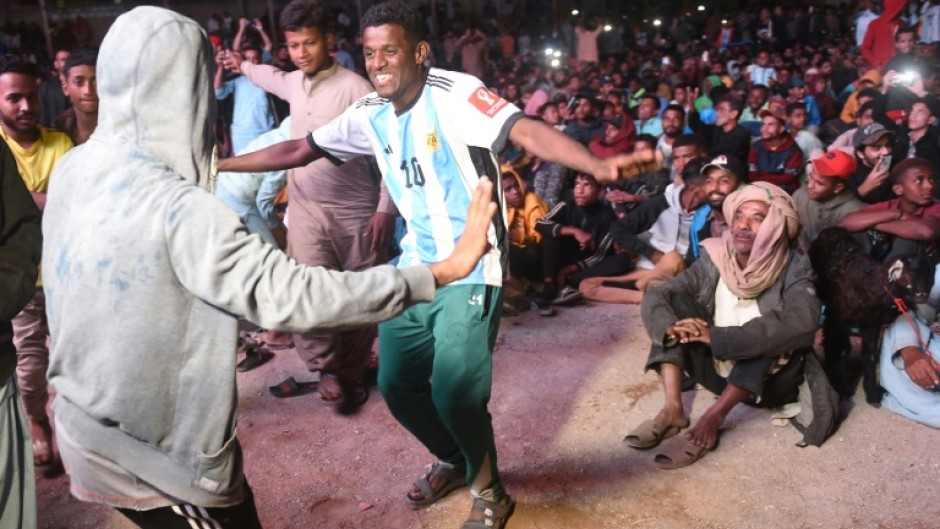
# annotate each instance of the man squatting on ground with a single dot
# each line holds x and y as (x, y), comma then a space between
(134, 239)
(434, 133)
(739, 321)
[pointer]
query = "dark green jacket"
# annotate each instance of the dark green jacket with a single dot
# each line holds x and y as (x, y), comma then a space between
(20, 248)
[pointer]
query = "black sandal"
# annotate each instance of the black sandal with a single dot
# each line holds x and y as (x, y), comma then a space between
(495, 513)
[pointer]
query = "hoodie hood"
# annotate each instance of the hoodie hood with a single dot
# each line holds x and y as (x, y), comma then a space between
(892, 9)
(167, 117)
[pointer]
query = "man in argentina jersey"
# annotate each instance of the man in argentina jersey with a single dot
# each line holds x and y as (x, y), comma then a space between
(434, 134)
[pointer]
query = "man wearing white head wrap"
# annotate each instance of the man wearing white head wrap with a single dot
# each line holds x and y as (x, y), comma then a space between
(739, 321)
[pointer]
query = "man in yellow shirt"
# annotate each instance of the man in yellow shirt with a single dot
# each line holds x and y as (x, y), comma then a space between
(36, 150)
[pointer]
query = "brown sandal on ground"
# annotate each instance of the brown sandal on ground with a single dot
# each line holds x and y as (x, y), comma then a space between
(649, 434)
(678, 453)
(487, 514)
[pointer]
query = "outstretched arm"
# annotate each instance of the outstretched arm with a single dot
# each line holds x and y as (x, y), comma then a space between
(278, 157)
(553, 146)
(265, 40)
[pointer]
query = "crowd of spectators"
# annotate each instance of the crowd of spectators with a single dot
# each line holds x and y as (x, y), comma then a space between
(829, 111)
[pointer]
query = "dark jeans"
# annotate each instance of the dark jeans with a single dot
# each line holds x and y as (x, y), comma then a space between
(241, 516)
(751, 374)
(526, 262)
(563, 251)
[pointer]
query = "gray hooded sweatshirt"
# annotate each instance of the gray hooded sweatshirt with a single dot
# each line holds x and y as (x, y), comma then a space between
(148, 273)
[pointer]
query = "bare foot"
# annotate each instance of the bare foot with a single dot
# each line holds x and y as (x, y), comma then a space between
(330, 388)
(705, 431)
(438, 478)
(671, 416)
(41, 432)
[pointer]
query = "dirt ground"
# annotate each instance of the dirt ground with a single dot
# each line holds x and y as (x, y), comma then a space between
(566, 391)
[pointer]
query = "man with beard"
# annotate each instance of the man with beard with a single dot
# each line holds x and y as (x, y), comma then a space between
(757, 98)
(739, 321)
(36, 150)
(673, 123)
(723, 175)
(775, 158)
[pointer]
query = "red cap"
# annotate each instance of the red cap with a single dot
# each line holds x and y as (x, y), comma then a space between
(215, 40)
(835, 164)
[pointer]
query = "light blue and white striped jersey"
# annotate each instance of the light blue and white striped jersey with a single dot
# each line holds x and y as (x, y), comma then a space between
(762, 74)
(431, 156)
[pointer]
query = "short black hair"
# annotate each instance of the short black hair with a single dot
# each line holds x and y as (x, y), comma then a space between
(794, 106)
(79, 58)
(675, 107)
(693, 170)
(734, 102)
(654, 97)
(907, 164)
(903, 29)
(300, 14)
(763, 88)
(868, 105)
(11, 63)
(689, 139)
(647, 138)
(399, 13)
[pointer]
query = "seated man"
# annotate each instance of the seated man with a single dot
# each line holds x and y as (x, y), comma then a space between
(739, 321)
(523, 210)
(825, 199)
(775, 157)
(909, 374)
(657, 235)
(723, 175)
(804, 138)
(905, 224)
(870, 183)
(576, 244)
(625, 196)
(584, 125)
(845, 141)
(647, 116)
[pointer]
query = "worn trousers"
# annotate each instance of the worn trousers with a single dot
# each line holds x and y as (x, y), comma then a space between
(751, 374)
(185, 516)
(333, 238)
(559, 252)
(30, 337)
(436, 372)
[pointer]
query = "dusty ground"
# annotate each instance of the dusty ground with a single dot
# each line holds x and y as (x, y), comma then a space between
(566, 391)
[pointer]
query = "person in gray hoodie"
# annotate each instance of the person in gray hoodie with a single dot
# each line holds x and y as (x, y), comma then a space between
(148, 274)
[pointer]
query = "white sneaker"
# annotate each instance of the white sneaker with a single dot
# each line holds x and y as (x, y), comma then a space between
(567, 295)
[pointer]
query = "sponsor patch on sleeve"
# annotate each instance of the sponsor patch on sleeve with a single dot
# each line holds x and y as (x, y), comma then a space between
(487, 102)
